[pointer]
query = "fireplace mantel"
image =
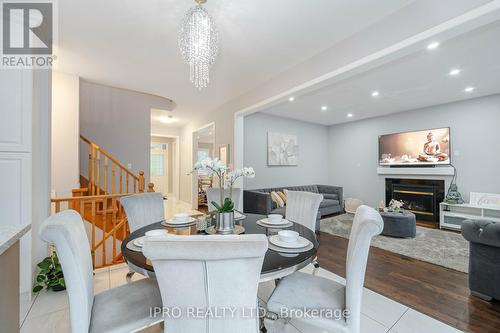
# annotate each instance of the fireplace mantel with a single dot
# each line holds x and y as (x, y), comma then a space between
(437, 171)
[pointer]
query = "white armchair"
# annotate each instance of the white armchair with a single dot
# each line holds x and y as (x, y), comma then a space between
(300, 290)
(122, 309)
(143, 209)
(302, 207)
(216, 272)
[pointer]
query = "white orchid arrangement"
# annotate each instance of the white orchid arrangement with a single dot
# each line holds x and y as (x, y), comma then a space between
(227, 178)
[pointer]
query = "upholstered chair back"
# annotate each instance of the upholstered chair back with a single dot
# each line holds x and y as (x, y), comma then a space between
(66, 231)
(213, 194)
(212, 272)
(302, 207)
(367, 223)
(143, 209)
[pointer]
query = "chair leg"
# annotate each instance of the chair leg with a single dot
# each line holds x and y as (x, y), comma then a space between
(129, 276)
(315, 263)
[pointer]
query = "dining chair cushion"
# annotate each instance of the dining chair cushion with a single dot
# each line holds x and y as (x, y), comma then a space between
(301, 291)
(126, 308)
(143, 209)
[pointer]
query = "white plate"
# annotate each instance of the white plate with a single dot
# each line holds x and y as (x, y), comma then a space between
(239, 216)
(266, 221)
(300, 243)
(174, 222)
(139, 242)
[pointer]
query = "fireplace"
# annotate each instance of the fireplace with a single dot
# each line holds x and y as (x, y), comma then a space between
(420, 196)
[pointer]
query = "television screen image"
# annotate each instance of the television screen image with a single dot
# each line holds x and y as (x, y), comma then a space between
(427, 147)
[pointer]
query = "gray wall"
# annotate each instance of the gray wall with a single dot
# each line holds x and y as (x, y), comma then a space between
(313, 152)
(119, 121)
(475, 139)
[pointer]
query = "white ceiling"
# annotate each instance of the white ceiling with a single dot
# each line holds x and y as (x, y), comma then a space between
(418, 80)
(133, 44)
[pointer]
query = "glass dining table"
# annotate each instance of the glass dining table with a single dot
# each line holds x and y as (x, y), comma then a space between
(276, 264)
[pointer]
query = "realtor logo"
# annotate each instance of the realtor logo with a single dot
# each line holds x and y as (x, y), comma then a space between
(27, 34)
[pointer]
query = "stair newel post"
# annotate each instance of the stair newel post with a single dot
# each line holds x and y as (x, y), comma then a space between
(113, 221)
(104, 228)
(92, 212)
(151, 187)
(142, 182)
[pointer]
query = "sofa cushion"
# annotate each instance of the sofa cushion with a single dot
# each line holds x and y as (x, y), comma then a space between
(482, 232)
(328, 203)
(330, 196)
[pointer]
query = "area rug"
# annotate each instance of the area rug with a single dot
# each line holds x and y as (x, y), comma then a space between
(439, 247)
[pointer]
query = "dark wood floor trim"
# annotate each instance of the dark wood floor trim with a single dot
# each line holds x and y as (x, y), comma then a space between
(438, 292)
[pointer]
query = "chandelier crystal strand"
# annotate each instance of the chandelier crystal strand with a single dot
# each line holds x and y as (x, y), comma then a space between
(198, 43)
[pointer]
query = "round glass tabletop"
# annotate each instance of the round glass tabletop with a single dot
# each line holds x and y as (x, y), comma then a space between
(276, 264)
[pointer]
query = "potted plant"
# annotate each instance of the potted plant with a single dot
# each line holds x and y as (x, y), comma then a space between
(50, 275)
(224, 209)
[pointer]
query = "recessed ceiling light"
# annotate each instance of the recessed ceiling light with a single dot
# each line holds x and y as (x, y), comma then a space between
(350, 115)
(209, 133)
(291, 99)
(167, 120)
(375, 93)
(324, 108)
(454, 72)
(433, 46)
(469, 89)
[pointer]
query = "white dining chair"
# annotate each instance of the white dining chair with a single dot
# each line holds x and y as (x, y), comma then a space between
(122, 309)
(213, 194)
(302, 207)
(143, 209)
(306, 291)
(213, 271)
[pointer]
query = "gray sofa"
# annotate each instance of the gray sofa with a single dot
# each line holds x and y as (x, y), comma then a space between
(484, 260)
(259, 201)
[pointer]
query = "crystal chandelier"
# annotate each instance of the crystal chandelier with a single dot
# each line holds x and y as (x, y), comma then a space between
(198, 41)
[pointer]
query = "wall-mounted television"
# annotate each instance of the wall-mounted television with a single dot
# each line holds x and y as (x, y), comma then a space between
(418, 148)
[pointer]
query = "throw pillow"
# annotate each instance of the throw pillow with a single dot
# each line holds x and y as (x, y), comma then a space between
(277, 199)
(283, 197)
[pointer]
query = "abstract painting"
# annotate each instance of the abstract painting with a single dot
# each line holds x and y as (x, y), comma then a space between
(282, 149)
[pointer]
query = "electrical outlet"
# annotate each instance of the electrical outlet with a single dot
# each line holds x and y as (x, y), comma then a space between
(129, 166)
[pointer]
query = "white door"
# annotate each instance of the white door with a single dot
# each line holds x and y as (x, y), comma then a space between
(159, 167)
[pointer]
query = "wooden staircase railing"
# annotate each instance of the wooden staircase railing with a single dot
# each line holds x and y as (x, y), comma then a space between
(98, 203)
(108, 176)
(108, 224)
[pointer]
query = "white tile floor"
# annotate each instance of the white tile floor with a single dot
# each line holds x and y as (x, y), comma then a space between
(49, 312)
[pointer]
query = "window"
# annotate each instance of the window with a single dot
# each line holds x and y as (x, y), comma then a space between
(157, 165)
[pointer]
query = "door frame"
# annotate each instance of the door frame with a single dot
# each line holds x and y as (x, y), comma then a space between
(176, 179)
(194, 158)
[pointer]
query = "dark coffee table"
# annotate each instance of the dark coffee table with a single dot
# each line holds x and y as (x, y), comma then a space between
(402, 225)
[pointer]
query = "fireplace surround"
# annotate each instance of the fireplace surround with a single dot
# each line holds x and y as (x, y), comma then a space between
(420, 196)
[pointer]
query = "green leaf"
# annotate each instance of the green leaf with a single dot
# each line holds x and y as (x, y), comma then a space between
(40, 278)
(61, 282)
(37, 288)
(216, 205)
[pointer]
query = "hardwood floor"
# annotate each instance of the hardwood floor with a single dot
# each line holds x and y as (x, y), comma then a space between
(436, 291)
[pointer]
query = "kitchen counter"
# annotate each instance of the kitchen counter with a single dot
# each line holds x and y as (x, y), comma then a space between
(10, 234)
